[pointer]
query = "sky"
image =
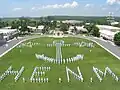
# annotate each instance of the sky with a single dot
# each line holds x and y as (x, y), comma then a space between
(37, 8)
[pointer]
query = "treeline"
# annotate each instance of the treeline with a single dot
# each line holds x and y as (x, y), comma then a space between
(91, 19)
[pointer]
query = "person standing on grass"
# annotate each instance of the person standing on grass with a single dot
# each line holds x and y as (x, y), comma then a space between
(60, 80)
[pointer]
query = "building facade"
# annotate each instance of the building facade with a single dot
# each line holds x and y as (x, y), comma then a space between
(108, 32)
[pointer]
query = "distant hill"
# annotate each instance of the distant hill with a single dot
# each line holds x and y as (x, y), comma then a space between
(82, 18)
(73, 17)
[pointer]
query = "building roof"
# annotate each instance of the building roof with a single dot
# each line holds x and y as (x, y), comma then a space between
(81, 28)
(71, 21)
(9, 27)
(71, 27)
(106, 32)
(31, 27)
(114, 23)
(87, 23)
(107, 27)
(41, 27)
(7, 30)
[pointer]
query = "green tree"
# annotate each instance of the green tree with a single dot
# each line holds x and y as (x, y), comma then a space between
(45, 30)
(23, 22)
(64, 27)
(54, 24)
(88, 27)
(13, 25)
(92, 30)
(117, 39)
(95, 31)
(1, 23)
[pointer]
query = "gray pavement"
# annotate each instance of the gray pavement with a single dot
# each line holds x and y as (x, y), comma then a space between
(10, 44)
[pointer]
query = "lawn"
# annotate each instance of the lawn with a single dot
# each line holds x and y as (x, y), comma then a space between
(98, 58)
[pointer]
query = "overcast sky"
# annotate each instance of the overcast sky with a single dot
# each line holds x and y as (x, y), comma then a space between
(13, 8)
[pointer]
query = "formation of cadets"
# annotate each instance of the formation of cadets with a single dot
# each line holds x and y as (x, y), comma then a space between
(39, 71)
(9, 71)
(107, 69)
(67, 60)
(103, 74)
(84, 44)
(28, 44)
(19, 74)
(63, 45)
(77, 76)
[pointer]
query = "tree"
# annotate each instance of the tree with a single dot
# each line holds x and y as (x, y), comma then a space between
(88, 27)
(75, 29)
(1, 23)
(24, 23)
(95, 31)
(14, 25)
(24, 27)
(63, 27)
(45, 30)
(6, 24)
(117, 39)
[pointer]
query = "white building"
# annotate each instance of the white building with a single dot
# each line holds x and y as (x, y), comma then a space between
(8, 33)
(58, 33)
(87, 23)
(79, 29)
(9, 27)
(114, 23)
(36, 29)
(41, 27)
(108, 32)
(32, 28)
(72, 21)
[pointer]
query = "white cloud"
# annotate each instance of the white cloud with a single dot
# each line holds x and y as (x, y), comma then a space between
(56, 6)
(88, 5)
(17, 9)
(33, 8)
(111, 2)
(74, 4)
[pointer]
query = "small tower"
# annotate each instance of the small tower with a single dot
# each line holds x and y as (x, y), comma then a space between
(110, 18)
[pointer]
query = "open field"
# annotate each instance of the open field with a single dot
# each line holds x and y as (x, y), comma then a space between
(98, 58)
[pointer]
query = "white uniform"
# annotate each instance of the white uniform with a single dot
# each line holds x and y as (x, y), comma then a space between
(60, 80)
(91, 80)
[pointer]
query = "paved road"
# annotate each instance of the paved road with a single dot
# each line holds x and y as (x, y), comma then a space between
(108, 45)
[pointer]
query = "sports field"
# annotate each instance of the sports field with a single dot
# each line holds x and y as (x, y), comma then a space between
(25, 56)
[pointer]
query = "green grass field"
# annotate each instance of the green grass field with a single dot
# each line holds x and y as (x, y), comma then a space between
(98, 58)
